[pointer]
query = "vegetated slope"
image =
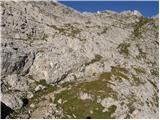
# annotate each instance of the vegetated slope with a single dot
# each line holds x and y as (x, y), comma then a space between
(59, 63)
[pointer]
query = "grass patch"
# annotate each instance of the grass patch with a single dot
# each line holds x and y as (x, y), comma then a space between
(42, 82)
(98, 88)
(105, 75)
(120, 72)
(96, 59)
(139, 70)
(67, 84)
(17, 112)
(123, 49)
(38, 94)
(138, 26)
(155, 27)
(67, 30)
(74, 106)
(30, 77)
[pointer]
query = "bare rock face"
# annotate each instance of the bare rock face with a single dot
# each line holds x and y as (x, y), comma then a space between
(90, 65)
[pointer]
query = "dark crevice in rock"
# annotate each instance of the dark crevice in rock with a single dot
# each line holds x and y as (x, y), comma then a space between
(25, 102)
(5, 110)
(32, 61)
(88, 117)
(20, 65)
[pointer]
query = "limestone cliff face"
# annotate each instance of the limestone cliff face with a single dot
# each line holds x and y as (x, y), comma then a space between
(104, 64)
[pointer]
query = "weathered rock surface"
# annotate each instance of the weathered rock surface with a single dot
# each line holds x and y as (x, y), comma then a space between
(104, 64)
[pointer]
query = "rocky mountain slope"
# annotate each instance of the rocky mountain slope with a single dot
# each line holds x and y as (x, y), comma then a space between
(60, 63)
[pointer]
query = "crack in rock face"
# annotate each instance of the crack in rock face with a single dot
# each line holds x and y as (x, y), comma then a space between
(60, 63)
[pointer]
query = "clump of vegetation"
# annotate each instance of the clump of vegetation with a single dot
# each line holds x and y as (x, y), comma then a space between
(38, 94)
(40, 51)
(138, 26)
(48, 87)
(120, 72)
(96, 59)
(67, 84)
(155, 26)
(139, 70)
(119, 69)
(68, 30)
(105, 75)
(17, 112)
(30, 77)
(98, 87)
(42, 82)
(73, 31)
(123, 48)
(82, 39)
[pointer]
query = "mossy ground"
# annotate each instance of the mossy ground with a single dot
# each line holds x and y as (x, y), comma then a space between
(38, 94)
(124, 48)
(75, 107)
(101, 88)
(15, 114)
(138, 26)
(96, 59)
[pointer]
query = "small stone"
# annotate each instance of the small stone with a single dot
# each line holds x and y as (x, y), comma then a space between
(50, 111)
(47, 114)
(84, 96)
(104, 110)
(60, 101)
(97, 108)
(17, 36)
(74, 115)
(51, 104)
(56, 111)
(91, 112)
(39, 87)
(30, 95)
(32, 105)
